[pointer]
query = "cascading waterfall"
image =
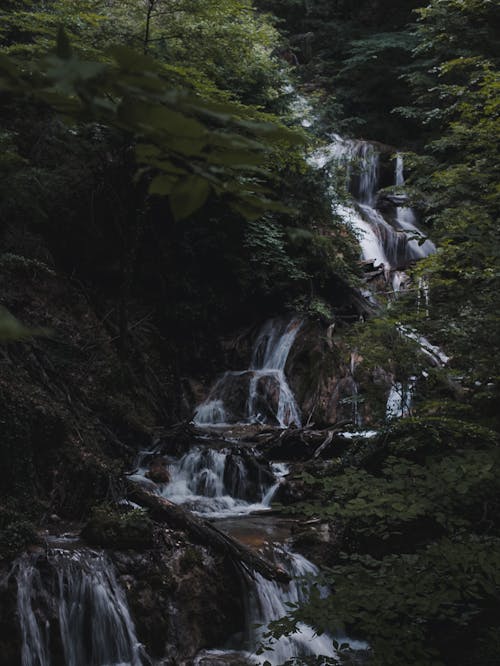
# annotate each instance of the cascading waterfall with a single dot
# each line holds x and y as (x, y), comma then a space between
(382, 241)
(222, 483)
(419, 247)
(260, 394)
(95, 625)
(389, 243)
(270, 602)
(206, 477)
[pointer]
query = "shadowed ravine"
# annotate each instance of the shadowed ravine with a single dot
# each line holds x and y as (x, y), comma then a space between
(224, 479)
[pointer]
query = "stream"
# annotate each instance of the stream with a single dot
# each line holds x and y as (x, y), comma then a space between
(227, 482)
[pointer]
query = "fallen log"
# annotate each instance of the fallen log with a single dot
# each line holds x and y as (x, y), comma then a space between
(204, 532)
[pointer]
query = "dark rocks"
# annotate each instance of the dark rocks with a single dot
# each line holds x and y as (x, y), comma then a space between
(182, 598)
(111, 528)
(318, 540)
(158, 470)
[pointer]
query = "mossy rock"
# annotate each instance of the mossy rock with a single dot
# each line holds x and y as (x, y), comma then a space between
(111, 528)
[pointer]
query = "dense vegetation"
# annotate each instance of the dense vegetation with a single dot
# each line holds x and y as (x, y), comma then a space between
(419, 575)
(149, 155)
(209, 139)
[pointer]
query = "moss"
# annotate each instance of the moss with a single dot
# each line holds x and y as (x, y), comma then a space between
(15, 533)
(111, 528)
(190, 559)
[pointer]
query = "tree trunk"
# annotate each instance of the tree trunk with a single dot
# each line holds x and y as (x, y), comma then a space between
(205, 533)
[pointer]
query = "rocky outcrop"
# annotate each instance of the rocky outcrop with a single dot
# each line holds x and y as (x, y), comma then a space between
(179, 600)
(320, 377)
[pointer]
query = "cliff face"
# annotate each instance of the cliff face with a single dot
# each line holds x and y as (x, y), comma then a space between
(171, 600)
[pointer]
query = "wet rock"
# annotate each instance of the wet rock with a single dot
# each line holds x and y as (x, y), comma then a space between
(182, 599)
(222, 658)
(111, 528)
(158, 470)
(318, 540)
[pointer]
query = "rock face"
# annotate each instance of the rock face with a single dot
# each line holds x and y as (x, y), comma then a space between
(319, 370)
(319, 374)
(158, 470)
(182, 599)
(175, 600)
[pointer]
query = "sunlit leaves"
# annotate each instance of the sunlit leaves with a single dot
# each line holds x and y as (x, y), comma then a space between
(200, 147)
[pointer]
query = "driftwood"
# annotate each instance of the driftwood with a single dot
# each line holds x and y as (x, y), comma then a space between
(299, 444)
(204, 533)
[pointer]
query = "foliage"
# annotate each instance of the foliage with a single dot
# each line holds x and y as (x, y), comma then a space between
(171, 126)
(357, 52)
(419, 510)
(111, 527)
(16, 533)
(217, 45)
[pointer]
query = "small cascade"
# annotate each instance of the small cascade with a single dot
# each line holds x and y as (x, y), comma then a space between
(392, 242)
(222, 483)
(418, 248)
(357, 418)
(269, 601)
(260, 394)
(80, 593)
(368, 160)
(400, 400)
(35, 633)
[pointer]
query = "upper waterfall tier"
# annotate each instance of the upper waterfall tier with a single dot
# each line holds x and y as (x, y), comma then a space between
(386, 228)
(261, 393)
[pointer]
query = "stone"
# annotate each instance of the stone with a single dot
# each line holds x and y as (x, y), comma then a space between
(158, 470)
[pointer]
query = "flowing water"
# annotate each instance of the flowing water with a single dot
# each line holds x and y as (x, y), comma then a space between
(230, 484)
(81, 592)
(391, 242)
(261, 393)
(222, 483)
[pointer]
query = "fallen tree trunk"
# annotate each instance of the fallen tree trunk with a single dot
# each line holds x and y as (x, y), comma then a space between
(204, 533)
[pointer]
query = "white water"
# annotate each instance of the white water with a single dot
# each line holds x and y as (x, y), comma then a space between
(202, 480)
(268, 396)
(400, 400)
(419, 248)
(270, 602)
(394, 245)
(220, 483)
(94, 621)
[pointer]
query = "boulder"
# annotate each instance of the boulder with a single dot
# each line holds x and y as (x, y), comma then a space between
(158, 470)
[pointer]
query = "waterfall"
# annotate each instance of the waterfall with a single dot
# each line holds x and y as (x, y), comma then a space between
(95, 625)
(222, 483)
(406, 219)
(35, 634)
(400, 400)
(270, 601)
(392, 243)
(260, 394)
(369, 172)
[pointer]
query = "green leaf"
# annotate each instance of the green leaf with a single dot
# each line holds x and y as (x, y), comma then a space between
(189, 195)
(162, 185)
